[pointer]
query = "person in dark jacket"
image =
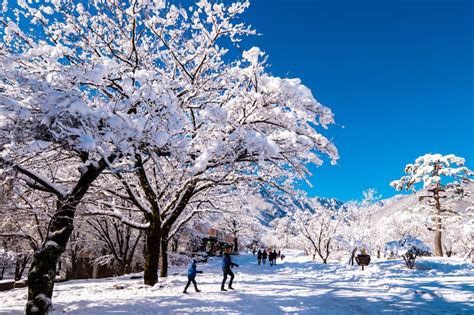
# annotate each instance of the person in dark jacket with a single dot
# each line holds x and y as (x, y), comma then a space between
(264, 256)
(259, 257)
(227, 264)
(270, 257)
(275, 254)
(192, 275)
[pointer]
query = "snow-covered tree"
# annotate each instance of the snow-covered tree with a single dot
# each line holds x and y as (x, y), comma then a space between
(70, 95)
(319, 227)
(442, 178)
(232, 123)
(240, 224)
(117, 243)
(143, 88)
(25, 217)
(358, 231)
(282, 233)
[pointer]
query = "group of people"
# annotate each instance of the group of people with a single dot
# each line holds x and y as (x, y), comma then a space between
(227, 266)
(272, 255)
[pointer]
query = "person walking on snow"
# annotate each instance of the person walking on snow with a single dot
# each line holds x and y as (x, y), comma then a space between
(259, 257)
(270, 257)
(264, 256)
(274, 254)
(227, 264)
(192, 275)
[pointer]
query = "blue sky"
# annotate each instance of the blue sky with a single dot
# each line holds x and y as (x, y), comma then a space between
(399, 76)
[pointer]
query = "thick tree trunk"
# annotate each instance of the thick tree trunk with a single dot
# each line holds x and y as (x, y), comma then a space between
(43, 268)
(164, 258)
(325, 261)
(152, 254)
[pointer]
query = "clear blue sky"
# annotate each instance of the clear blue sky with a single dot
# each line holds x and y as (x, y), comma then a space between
(399, 76)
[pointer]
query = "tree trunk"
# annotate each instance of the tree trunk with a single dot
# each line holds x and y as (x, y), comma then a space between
(174, 245)
(152, 252)
(351, 261)
(236, 244)
(17, 269)
(164, 258)
(437, 244)
(437, 237)
(43, 268)
(20, 266)
(168, 223)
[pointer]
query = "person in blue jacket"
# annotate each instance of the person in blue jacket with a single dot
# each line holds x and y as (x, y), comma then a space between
(227, 264)
(192, 275)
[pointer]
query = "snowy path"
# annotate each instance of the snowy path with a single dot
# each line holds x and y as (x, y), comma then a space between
(297, 286)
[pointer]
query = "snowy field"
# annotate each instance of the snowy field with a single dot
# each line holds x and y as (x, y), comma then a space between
(296, 286)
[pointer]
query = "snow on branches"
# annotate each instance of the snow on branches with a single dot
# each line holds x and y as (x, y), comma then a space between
(435, 171)
(429, 169)
(408, 248)
(147, 90)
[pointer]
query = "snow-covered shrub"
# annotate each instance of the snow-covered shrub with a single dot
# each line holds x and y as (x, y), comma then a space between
(408, 248)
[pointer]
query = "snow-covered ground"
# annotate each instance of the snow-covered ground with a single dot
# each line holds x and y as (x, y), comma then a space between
(296, 286)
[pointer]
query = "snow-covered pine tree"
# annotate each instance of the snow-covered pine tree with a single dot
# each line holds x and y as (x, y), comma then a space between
(441, 181)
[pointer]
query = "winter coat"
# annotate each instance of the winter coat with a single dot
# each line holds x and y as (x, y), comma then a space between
(192, 270)
(259, 254)
(227, 262)
(264, 254)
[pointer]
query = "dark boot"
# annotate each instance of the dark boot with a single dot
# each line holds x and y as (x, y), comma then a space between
(231, 288)
(222, 289)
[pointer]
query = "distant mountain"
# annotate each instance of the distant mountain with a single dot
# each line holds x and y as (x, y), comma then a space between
(278, 206)
(400, 204)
